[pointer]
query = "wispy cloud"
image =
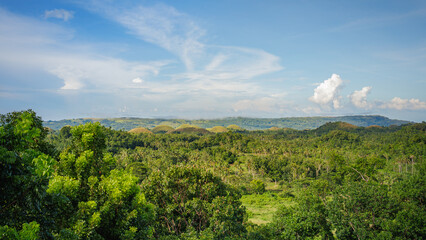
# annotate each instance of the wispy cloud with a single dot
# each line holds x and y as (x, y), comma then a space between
(33, 45)
(374, 21)
(59, 13)
(233, 66)
(328, 92)
(264, 104)
(404, 104)
(181, 35)
(211, 71)
(224, 77)
(164, 26)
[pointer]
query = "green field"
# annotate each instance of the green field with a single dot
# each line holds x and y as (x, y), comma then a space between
(262, 207)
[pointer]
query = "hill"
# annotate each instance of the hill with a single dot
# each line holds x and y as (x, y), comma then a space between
(193, 130)
(298, 123)
(162, 129)
(140, 130)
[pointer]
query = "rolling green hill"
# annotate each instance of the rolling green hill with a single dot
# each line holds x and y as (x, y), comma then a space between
(299, 123)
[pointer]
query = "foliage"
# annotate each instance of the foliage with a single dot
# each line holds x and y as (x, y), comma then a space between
(25, 169)
(105, 203)
(257, 186)
(92, 182)
(304, 220)
(361, 210)
(29, 231)
(188, 198)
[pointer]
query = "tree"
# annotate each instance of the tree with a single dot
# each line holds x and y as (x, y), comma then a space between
(362, 210)
(257, 186)
(104, 203)
(189, 199)
(410, 194)
(305, 220)
(25, 168)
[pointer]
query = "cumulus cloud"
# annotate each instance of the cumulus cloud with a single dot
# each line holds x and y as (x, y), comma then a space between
(359, 98)
(71, 76)
(404, 104)
(59, 13)
(328, 92)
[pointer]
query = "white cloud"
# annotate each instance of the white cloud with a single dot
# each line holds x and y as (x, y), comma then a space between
(71, 76)
(359, 98)
(220, 77)
(166, 27)
(34, 46)
(404, 104)
(216, 62)
(179, 34)
(269, 104)
(230, 69)
(137, 80)
(78, 71)
(310, 110)
(210, 69)
(59, 13)
(328, 92)
(265, 104)
(24, 32)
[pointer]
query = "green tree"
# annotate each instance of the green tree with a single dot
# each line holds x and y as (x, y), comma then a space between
(104, 203)
(25, 168)
(189, 199)
(257, 186)
(410, 193)
(305, 220)
(29, 231)
(362, 210)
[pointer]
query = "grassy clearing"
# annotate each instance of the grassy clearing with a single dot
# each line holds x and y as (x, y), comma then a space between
(261, 207)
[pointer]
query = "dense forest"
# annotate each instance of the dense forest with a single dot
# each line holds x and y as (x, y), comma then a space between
(337, 181)
(299, 123)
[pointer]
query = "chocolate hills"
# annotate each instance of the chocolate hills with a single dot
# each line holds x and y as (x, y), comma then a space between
(299, 123)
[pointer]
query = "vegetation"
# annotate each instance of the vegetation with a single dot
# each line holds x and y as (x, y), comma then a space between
(338, 181)
(165, 125)
(140, 130)
(218, 129)
(162, 129)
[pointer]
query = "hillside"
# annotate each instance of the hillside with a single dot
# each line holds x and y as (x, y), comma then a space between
(298, 123)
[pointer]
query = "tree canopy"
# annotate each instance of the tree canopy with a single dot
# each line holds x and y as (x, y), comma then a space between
(92, 182)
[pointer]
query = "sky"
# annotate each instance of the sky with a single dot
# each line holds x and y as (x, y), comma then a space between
(212, 59)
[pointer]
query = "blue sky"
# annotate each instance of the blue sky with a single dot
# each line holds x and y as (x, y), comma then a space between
(212, 59)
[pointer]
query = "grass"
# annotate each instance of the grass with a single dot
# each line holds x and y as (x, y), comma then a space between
(262, 207)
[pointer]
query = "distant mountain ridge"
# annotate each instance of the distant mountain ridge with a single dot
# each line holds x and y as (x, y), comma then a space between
(299, 123)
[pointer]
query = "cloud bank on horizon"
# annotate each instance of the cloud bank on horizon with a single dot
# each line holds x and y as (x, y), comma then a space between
(156, 60)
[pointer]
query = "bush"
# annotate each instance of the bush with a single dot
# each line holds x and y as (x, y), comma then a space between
(257, 186)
